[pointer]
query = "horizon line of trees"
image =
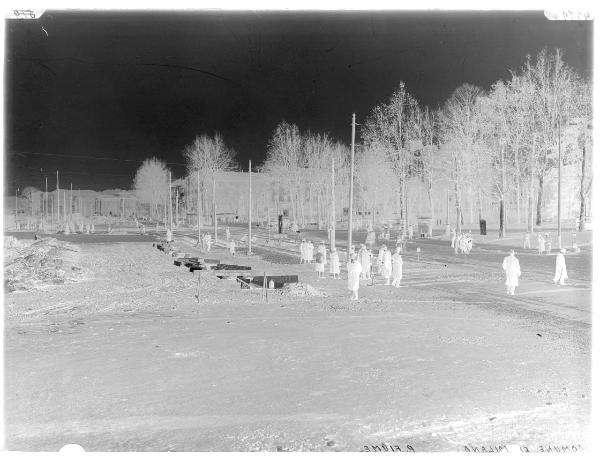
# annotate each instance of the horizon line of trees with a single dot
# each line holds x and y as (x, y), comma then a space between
(497, 146)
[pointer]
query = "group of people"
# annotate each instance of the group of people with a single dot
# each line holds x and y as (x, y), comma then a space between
(359, 267)
(307, 249)
(511, 267)
(462, 242)
(206, 242)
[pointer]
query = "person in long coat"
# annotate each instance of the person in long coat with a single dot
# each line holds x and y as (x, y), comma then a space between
(334, 264)
(365, 262)
(548, 244)
(560, 273)
(319, 264)
(303, 251)
(323, 250)
(380, 258)
(541, 244)
(527, 241)
(511, 266)
(310, 248)
(396, 268)
(453, 237)
(387, 266)
(354, 270)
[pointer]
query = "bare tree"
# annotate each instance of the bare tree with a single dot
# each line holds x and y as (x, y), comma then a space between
(285, 158)
(151, 184)
(460, 129)
(206, 156)
(388, 126)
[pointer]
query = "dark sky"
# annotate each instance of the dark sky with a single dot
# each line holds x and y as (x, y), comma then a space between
(102, 91)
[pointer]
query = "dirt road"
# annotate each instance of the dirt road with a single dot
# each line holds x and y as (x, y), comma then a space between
(126, 360)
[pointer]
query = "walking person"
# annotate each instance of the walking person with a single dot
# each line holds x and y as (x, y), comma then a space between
(303, 251)
(541, 244)
(380, 258)
(548, 241)
(410, 232)
(321, 248)
(397, 268)
(310, 248)
(387, 266)
(232, 247)
(527, 241)
(319, 265)
(511, 266)
(334, 264)
(354, 270)
(227, 234)
(453, 237)
(560, 273)
(208, 242)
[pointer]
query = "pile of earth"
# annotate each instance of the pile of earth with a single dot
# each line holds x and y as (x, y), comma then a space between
(299, 289)
(31, 264)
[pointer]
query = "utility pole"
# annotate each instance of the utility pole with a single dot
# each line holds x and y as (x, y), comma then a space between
(249, 207)
(559, 184)
(16, 206)
(351, 185)
(198, 204)
(170, 205)
(176, 207)
(57, 199)
(214, 207)
(332, 237)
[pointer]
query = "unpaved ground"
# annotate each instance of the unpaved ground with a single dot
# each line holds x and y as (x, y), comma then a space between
(126, 360)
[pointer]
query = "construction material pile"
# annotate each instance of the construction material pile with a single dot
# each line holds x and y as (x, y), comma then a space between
(30, 265)
(299, 289)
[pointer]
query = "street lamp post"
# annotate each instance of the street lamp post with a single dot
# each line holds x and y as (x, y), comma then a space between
(351, 186)
(559, 187)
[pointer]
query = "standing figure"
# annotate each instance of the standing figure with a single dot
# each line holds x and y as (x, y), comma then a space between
(458, 243)
(310, 248)
(468, 243)
(527, 241)
(548, 244)
(169, 237)
(560, 273)
(227, 234)
(362, 258)
(387, 266)
(319, 264)
(323, 250)
(334, 264)
(380, 258)
(410, 232)
(354, 270)
(208, 242)
(511, 266)
(396, 268)
(453, 237)
(303, 251)
(541, 244)
(232, 247)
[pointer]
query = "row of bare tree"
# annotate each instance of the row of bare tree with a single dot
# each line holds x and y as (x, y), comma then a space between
(498, 146)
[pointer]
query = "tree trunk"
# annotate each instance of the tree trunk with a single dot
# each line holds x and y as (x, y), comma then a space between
(582, 193)
(538, 215)
(502, 228)
(518, 186)
(531, 191)
(501, 231)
